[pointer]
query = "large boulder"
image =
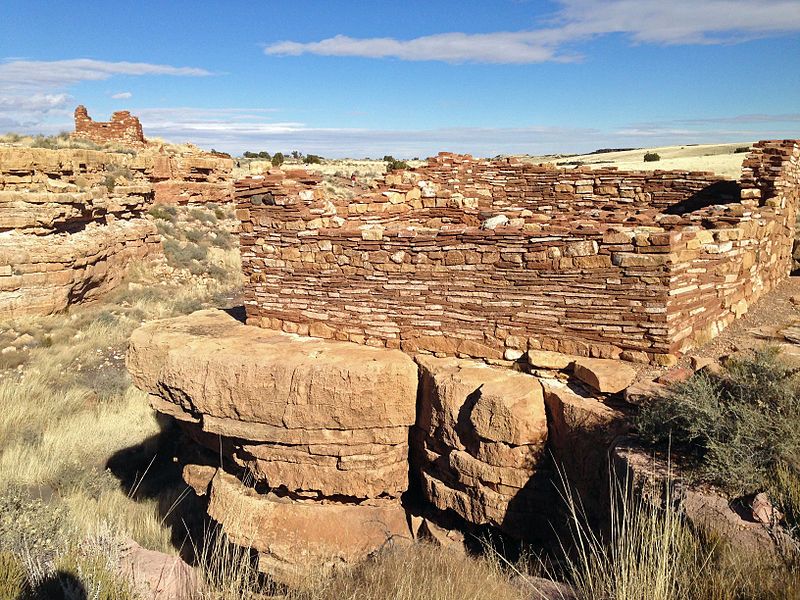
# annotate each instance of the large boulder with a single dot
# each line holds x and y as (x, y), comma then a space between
(293, 538)
(320, 428)
(582, 433)
(480, 442)
(312, 416)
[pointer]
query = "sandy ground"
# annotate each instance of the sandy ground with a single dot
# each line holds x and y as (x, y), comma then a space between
(721, 159)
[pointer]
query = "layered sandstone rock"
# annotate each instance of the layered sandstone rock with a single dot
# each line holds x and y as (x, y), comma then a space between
(480, 441)
(582, 431)
(192, 178)
(323, 425)
(186, 175)
(71, 221)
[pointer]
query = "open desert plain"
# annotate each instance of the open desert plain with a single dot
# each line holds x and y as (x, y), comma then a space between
(321, 301)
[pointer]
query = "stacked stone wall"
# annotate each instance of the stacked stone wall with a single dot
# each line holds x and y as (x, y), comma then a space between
(123, 128)
(488, 259)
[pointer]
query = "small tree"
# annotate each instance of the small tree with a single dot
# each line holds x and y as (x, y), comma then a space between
(277, 159)
(264, 155)
(297, 155)
(248, 154)
(312, 159)
(651, 157)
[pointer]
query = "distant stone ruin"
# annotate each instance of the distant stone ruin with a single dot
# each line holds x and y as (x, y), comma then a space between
(491, 258)
(123, 128)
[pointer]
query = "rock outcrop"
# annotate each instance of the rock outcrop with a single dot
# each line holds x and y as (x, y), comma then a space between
(191, 178)
(321, 428)
(480, 442)
(71, 221)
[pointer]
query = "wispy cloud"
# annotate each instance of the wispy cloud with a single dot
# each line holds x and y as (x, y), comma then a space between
(31, 90)
(642, 21)
(253, 133)
(122, 95)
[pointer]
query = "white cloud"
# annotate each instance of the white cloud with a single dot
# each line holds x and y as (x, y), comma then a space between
(643, 21)
(32, 90)
(122, 95)
(247, 130)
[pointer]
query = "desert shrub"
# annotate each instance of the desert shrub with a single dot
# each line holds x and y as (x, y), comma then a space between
(392, 164)
(206, 217)
(742, 150)
(650, 553)
(30, 524)
(113, 174)
(738, 427)
(181, 255)
(194, 235)
(163, 212)
(651, 157)
(14, 581)
(11, 360)
(76, 575)
(312, 159)
(277, 159)
(224, 240)
(41, 141)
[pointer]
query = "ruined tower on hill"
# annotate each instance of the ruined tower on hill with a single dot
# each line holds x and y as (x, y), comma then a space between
(123, 128)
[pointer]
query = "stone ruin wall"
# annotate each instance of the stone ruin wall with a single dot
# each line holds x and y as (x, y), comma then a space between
(488, 259)
(123, 128)
(71, 221)
(193, 177)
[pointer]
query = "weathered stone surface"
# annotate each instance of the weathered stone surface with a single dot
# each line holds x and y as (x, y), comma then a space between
(329, 418)
(155, 575)
(479, 441)
(544, 359)
(604, 375)
(70, 225)
(293, 538)
(582, 432)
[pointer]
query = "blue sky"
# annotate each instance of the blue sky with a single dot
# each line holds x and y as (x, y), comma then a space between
(409, 78)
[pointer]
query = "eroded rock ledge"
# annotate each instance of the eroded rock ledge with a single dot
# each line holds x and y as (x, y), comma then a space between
(312, 441)
(322, 426)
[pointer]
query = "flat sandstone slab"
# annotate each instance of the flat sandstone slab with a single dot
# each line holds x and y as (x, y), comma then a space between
(208, 363)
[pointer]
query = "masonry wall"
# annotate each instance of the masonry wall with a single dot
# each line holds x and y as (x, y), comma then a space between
(490, 258)
(730, 256)
(123, 128)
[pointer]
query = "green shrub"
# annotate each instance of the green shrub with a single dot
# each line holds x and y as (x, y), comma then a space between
(30, 524)
(207, 217)
(738, 427)
(392, 164)
(312, 159)
(742, 150)
(651, 157)
(163, 212)
(14, 581)
(277, 159)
